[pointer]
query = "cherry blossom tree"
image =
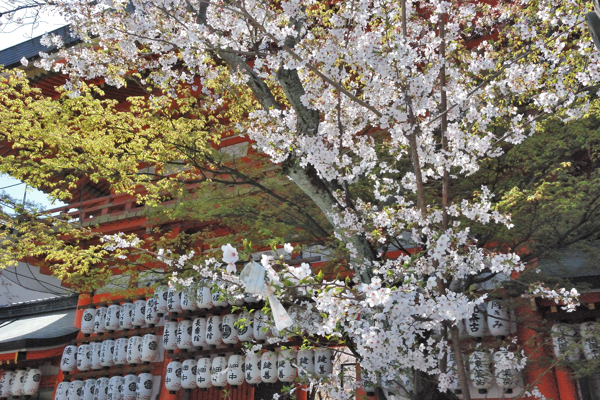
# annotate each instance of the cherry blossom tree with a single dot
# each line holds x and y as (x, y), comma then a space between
(376, 110)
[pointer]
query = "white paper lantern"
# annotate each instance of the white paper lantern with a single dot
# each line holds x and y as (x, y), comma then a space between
(89, 386)
(18, 383)
(139, 313)
(60, 394)
(218, 371)
(188, 302)
(129, 387)
(87, 321)
(305, 359)
(204, 298)
(228, 330)
(505, 371)
(126, 316)
(235, 370)
(115, 385)
(149, 348)
(250, 298)
(173, 376)
(476, 325)
(75, 391)
(453, 373)
(161, 301)
(111, 321)
(268, 370)
(184, 335)
(498, 319)
(235, 298)
(151, 317)
(170, 336)
(96, 351)
(174, 300)
(252, 368)
(69, 359)
(101, 389)
(107, 353)
(144, 386)
(590, 336)
(199, 332)
(99, 324)
(84, 357)
(260, 323)
(286, 372)
(323, 362)
(188, 374)
(244, 327)
(6, 384)
(134, 350)
(32, 382)
(213, 330)
(120, 351)
(219, 297)
(480, 372)
(564, 341)
(203, 380)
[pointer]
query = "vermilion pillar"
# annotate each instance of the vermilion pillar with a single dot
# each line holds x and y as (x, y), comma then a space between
(566, 384)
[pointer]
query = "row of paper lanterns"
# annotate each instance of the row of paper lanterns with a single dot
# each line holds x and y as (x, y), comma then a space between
(566, 339)
(494, 318)
(20, 383)
(486, 369)
(129, 387)
(96, 355)
(253, 368)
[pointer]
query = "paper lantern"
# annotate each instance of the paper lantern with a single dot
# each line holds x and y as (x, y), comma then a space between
(235, 298)
(323, 362)
(149, 347)
(260, 324)
(101, 389)
(498, 319)
(564, 341)
(134, 350)
(268, 370)
(174, 300)
(143, 390)
(139, 313)
(453, 373)
(235, 370)
(252, 368)
(87, 321)
(107, 353)
(188, 303)
(286, 372)
(129, 387)
(219, 295)
(99, 320)
(218, 371)
(18, 383)
(69, 359)
(161, 301)
(96, 351)
(32, 382)
(126, 316)
(111, 320)
(60, 394)
(480, 371)
(204, 298)
(203, 380)
(199, 332)
(84, 357)
(120, 351)
(476, 325)
(590, 336)
(170, 335)
(151, 317)
(244, 327)
(250, 298)
(173, 376)
(184, 335)
(89, 385)
(213, 330)
(75, 391)
(188, 374)
(507, 376)
(228, 331)
(114, 387)
(6, 384)
(305, 359)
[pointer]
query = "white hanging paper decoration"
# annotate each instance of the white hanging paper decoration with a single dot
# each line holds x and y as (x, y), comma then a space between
(115, 384)
(161, 296)
(268, 370)
(139, 313)
(144, 386)
(564, 341)
(188, 374)
(323, 362)
(203, 379)
(75, 391)
(18, 383)
(151, 317)
(184, 335)
(107, 353)
(252, 368)
(101, 389)
(99, 320)
(213, 330)
(174, 300)
(245, 327)
(173, 376)
(590, 336)
(199, 332)
(32, 382)
(498, 319)
(170, 335)
(204, 298)
(69, 359)
(87, 321)
(218, 370)
(149, 347)
(111, 321)
(286, 372)
(134, 350)
(480, 373)
(60, 394)
(89, 386)
(6, 385)
(505, 372)
(235, 370)
(129, 387)
(126, 316)
(120, 351)
(305, 360)
(84, 357)
(96, 351)
(229, 333)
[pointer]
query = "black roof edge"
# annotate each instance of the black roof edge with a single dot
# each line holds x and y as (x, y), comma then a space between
(33, 343)
(67, 302)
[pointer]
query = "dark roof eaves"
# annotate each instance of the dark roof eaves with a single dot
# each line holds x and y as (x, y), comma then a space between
(67, 302)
